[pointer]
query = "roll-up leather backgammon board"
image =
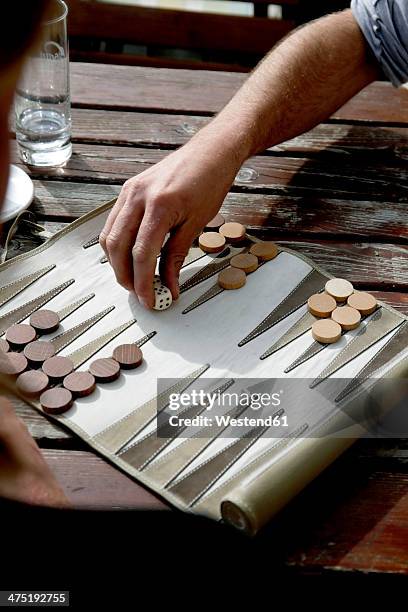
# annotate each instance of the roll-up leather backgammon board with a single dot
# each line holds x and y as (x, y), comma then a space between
(210, 338)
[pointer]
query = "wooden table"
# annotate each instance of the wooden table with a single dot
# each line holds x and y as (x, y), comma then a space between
(338, 194)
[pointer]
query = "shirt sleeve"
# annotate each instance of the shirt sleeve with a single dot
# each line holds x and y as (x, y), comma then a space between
(384, 24)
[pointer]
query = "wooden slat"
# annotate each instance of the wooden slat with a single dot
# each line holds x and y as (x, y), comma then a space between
(168, 131)
(367, 265)
(172, 28)
(158, 89)
(282, 214)
(326, 177)
(68, 201)
(133, 128)
(320, 217)
(90, 482)
(206, 92)
(396, 300)
(379, 102)
(359, 521)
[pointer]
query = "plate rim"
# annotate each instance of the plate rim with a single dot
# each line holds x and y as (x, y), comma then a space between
(7, 217)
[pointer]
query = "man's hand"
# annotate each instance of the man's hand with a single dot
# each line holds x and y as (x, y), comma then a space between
(177, 196)
(24, 475)
(301, 83)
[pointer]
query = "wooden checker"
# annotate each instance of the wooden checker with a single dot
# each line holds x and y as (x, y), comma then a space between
(56, 401)
(128, 356)
(45, 321)
(57, 367)
(32, 383)
(349, 318)
(81, 384)
(19, 335)
(105, 370)
(321, 304)
(211, 242)
(12, 364)
(232, 278)
(326, 331)
(39, 351)
(245, 261)
(233, 232)
(363, 301)
(339, 288)
(264, 251)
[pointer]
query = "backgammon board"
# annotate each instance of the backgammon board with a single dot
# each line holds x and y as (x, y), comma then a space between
(212, 339)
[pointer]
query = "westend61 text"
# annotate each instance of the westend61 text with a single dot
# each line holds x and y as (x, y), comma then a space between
(228, 421)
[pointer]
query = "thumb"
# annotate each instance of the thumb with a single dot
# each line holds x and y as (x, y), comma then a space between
(172, 257)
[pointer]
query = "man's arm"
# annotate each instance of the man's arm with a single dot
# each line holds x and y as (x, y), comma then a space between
(299, 84)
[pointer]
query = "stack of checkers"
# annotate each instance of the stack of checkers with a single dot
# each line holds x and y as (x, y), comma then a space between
(234, 277)
(215, 238)
(39, 373)
(338, 309)
(217, 233)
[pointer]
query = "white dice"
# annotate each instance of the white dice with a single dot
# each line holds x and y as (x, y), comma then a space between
(162, 295)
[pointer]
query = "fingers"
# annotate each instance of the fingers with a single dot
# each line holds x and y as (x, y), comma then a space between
(120, 241)
(173, 255)
(103, 236)
(150, 238)
(119, 233)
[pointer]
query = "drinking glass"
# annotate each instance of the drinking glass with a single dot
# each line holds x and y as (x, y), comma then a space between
(42, 101)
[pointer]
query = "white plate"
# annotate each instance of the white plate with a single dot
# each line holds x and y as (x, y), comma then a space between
(19, 194)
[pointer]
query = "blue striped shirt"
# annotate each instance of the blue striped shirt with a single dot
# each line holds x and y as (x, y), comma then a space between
(384, 24)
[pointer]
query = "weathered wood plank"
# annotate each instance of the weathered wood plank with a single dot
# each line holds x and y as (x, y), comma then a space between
(156, 89)
(358, 523)
(124, 128)
(369, 266)
(379, 102)
(205, 92)
(165, 130)
(320, 217)
(348, 179)
(399, 301)
(68, 201)
(91, 482)
(282, 215)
